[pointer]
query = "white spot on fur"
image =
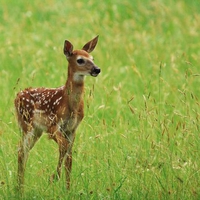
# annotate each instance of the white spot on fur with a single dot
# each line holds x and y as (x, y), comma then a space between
(39, 111)
(57, 101)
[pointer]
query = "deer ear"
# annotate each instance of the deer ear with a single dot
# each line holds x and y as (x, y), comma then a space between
(89, 47)
(68, 48)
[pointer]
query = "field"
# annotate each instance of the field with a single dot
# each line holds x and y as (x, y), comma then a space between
(140, 138)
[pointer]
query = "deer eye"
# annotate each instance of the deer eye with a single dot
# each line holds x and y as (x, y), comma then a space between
(80, 61)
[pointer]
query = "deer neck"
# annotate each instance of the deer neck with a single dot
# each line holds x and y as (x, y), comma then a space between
(74, 89)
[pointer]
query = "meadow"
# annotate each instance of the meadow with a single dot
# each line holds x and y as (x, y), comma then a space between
(140, 135)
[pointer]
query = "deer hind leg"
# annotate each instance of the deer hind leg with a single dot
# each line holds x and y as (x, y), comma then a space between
(27, 143)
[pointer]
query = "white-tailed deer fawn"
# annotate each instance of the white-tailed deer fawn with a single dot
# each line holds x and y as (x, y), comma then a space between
(56, 111)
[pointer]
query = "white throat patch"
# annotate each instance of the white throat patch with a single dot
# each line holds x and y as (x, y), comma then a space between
(78, 77)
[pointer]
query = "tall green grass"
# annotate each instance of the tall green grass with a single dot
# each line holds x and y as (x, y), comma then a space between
(140, 135)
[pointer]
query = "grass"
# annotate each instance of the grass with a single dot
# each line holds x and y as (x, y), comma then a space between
(140, 135)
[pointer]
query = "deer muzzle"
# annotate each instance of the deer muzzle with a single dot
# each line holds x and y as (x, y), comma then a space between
(95, 71)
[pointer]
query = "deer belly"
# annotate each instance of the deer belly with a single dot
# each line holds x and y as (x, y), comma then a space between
(41, 121)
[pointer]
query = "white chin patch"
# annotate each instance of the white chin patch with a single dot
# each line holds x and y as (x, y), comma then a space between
(79, 76)
(94, 74)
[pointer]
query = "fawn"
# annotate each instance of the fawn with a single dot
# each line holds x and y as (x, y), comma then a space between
(56, 111)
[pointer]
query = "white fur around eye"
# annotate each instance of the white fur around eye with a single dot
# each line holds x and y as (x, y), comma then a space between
(80, 61)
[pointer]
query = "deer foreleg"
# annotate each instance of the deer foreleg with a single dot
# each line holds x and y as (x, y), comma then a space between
(68, 161)
(68, 167)
(63, 144)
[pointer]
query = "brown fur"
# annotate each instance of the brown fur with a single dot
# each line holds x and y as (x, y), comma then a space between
(57, 111)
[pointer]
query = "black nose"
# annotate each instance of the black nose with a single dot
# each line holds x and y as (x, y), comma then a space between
(97, 70)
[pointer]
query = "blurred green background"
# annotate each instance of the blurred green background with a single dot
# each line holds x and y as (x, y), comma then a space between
(140, 135)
